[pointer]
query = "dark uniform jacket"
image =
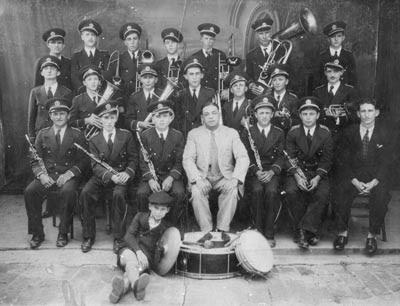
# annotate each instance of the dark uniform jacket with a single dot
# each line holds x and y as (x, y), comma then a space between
(188, 115)
(59, 160)
(80, 59)
(65, 73)
(124, 155)
(346, 59)
(136, 108)
(211, 69)
(316, 160)
(166, 158)
(270, 149)
(229, 119)
(162, 67)
(139, 236)
(289, 101)
(82, 107)
(378, 159)
(38, 114)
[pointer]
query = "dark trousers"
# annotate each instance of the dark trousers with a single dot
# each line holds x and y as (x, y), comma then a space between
(305, 207)
(264, 200)
(379, 199)
(177, 192)
(90, 195)
(35, 194)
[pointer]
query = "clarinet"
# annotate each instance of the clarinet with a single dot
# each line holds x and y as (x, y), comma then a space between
(253, 146)
(98, 161)
(146, 157)
(294, 164)
(36, 156)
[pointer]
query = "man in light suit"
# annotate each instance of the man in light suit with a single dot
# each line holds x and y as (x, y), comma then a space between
(214, 158)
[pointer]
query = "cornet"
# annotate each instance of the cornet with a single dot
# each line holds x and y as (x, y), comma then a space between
(336, 111)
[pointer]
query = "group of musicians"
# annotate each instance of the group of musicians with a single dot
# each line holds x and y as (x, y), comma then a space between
(189, 128)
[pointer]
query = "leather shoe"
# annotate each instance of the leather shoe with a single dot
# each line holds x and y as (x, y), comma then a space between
(86, 245)
(117, 245)
(62, 240)
(371, 246)
(302, 242)
(272, 242)
(206, 237)
(225, 237)
(36, 241)
(312, 239)
(117, 289)
(139, 287)
(340, 242)
(46, 214)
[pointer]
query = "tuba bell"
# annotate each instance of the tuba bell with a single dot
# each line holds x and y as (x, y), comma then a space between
(146, 57)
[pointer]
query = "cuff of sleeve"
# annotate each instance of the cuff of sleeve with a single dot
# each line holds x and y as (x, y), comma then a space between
(130, 171)
(276, 168)
(253, 169)
(291, 170)
(322, 172)
(175, 174)
(75, 171)
(106, 177)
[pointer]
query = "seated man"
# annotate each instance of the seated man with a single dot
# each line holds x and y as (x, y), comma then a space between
(165, 148)
(310, 146)
(214, 158)
(116, 147)
(265, 166)
(62, 166)
(364, 163)
(139, 251)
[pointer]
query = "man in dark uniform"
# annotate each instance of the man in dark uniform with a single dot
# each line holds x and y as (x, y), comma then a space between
(165, 148)
(365, 160)
(335, 32)
(208, 56)
(336, 92)
(38, 116)
(285, 102)
(138, 103)
(234, 110)
(190, 100)
(54, 38)
(172, 62)
(310, 146)
(264, 169)
(63, 166)
(89, 55)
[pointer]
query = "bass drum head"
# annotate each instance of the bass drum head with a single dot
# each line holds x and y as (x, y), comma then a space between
(254, 253)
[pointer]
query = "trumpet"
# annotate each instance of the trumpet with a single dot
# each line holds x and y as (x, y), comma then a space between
(336, 111)
(283, 118)
(306, 23)
(225, 65)
(146, 57)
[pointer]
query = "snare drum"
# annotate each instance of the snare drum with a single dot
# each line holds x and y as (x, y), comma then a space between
(195, 261)
(254, 253)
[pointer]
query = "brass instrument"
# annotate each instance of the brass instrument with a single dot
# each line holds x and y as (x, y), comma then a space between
(281, 41)
(168, 90)
(146, 57)
(174, 70)
(293, 162)
(252, 143)
(97, 160)
(36, 156)
(336, 111)
(116, 79)
(217, 100)
(283, 118)
(146, 156)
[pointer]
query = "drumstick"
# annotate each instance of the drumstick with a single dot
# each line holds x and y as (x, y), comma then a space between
(229, 243)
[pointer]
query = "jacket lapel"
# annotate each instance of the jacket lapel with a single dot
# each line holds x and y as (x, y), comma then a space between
(51, 136)
(270, 140)
(303, 141)
(316, 139)
(66, 142)
(338, 97)
(118, 143)
(168, 145)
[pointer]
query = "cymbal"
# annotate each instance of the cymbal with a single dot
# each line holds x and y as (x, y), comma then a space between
(171, 242)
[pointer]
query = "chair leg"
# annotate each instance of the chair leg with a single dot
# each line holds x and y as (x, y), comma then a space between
(54, 220)
(108, 217)
(383, 229)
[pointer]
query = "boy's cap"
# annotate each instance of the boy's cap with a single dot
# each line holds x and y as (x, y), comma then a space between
(161, 198)
(173, 34)
(209, 29)
(334, 27)
(54, 33)
(237, 77)
(55, 104)
(309, 102)
(90, 25)
(129, 28)
(49, 60)
(148, 70)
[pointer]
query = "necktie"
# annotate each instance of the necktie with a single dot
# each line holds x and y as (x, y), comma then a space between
(336, 54)
(95, 100)
(214, 170)
(330, 93)
(148, 100)
(309, 139)
(278, 99)
(365, 143)
(264, 133)
(110, 143)
(162, 139)
(236, 109)
(49, 93)
(194, 97)
(58, 139)
(265, 53)
(91, 56)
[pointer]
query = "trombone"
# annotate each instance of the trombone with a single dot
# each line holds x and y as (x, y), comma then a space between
(116, 79)
(225, 65)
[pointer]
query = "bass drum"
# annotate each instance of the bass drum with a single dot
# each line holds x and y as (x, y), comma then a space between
(254, 253)
(195, 261)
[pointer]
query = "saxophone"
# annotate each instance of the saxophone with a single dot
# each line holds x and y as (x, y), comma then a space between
(146, 157)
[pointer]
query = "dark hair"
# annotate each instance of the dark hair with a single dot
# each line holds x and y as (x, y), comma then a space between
(208, 103)
(362, 101)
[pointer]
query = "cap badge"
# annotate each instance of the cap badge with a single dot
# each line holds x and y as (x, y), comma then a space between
(147, 68)
(334, 27)
(108, 106)
(212, 29)
(48, 60)
(57, 103)
(336, 62)
(159, 106)
(265, 100)
(91, 25)
(308, 102)
(90, 71)
(52, 34)
(129, 27)
(195, 60)
(171, 34)
(264, 24)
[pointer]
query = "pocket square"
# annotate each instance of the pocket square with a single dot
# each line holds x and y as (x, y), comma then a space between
(379, 146)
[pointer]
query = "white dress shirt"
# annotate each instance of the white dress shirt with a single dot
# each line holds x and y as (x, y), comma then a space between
(335, 87)
(266, 129)
(363, 130)
(106, 135)
(312, 130)
(332, 51)
(62, 132)
(92, 50)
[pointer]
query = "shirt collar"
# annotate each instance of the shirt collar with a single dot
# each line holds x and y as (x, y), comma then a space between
(53, 87)
(197, 90)
(146, 93)
(335, 87)
(364, 129)
(134, 54)
(105, 134)
(165, 133)
(170, 57)
(91, 96)
(240, 102)
(62, 131)
(267, 129)
(205, 52)
(267, 48)
(332, 51)
(312, 130)
(87, 50)
(280, 95)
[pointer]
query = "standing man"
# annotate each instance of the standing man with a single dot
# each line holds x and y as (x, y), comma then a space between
(115, 147)
(310, 146)
(63, 166)
(172, 62)
(264, 173)
(335, 32)
(89, 55)
(54, 39)
(208, 56)
(365, 160)
(214, 159)
(191, 99)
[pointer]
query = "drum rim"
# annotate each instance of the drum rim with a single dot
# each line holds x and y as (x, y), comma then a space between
(208, 275)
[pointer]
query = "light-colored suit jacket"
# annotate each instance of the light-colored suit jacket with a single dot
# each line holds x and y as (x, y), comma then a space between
(233, 160)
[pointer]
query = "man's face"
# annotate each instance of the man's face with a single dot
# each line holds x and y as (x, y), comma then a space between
(109, 120)
(132, 42)
(367, 113)
(210, 115)
(171, 46)
(59, 118)
(333, 75)
(56, 46)
(194, 75)
(309, 117)
(158, 211)
(264, 37)
(50, 73)
(92, 82)
(279, 83)
(148, 81)
(239, 89)
(264, 116)
(89, 39)
(207, 41)
(162, 121)
(336, 40)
